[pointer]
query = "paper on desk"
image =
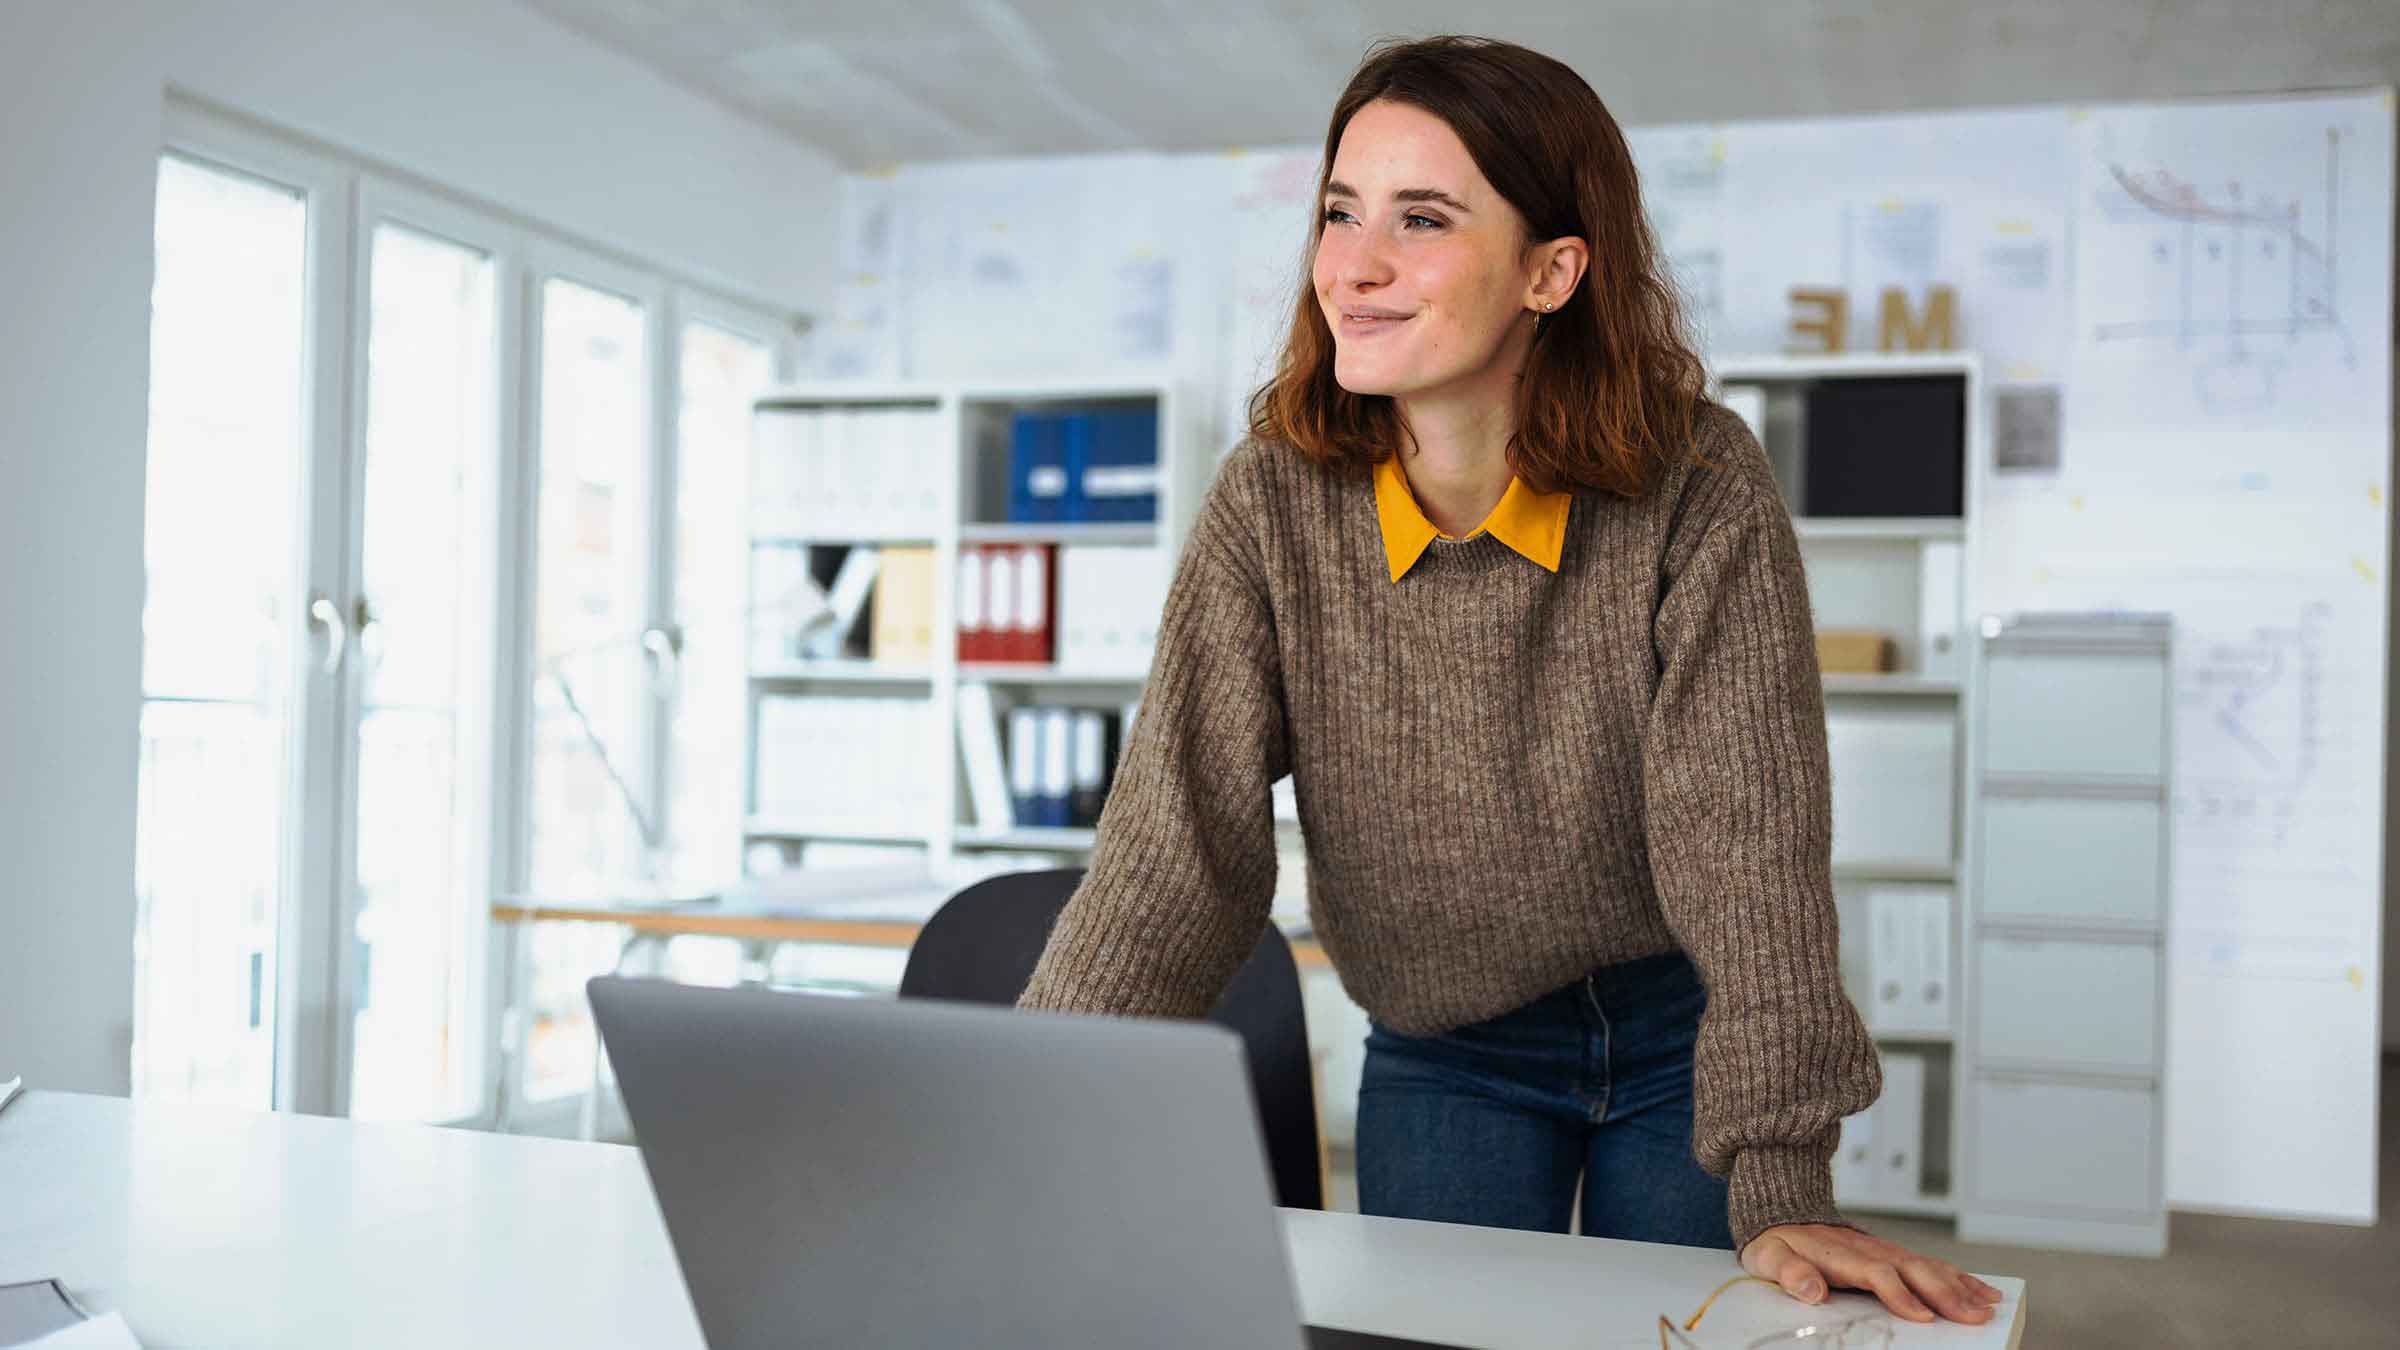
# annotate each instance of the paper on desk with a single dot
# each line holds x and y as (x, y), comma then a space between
(107, 1332)
(9, 1088)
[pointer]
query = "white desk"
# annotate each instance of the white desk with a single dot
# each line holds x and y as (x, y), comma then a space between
(210, 1227)
(870, 907)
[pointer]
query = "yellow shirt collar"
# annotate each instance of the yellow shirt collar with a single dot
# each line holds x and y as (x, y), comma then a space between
(1533, 523)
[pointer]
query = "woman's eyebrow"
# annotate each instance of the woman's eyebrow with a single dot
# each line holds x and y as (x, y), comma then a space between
(1422, 194)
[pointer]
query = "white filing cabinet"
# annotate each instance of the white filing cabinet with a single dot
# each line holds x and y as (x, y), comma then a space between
(2063, 1116)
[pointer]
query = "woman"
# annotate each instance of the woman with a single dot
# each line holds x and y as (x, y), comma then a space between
(1522, 615)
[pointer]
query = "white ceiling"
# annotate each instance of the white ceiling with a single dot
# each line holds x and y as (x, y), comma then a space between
(892, 81)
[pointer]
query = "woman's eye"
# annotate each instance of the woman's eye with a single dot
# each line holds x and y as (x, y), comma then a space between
(1335, 215)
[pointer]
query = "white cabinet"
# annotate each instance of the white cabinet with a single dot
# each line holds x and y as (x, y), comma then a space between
(2063, 1118)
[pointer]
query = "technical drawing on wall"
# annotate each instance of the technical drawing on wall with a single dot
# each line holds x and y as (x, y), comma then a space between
(2251, 712)
(2213, 246)
(2232, 271)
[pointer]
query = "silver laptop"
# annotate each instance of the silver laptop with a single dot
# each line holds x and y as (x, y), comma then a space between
(859, 1172)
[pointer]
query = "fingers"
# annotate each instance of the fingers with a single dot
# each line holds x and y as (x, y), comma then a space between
(1945, 1287)
(1882, 1278)
(1772, 1258)
(1919, 1288)
(1805, 1262)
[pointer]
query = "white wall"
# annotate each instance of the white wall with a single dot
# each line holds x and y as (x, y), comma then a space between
(482, 96)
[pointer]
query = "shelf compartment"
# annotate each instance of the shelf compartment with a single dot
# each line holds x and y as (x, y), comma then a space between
(1005, 672)
(1892, 528)
(1031, 836)
(1063, 532)
(838, 672)
(1890, 682)
(775, 827)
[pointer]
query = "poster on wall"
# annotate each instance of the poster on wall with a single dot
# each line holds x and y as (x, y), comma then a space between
(2223, 291)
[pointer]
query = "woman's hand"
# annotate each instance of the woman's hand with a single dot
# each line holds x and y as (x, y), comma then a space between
(1806, 1258)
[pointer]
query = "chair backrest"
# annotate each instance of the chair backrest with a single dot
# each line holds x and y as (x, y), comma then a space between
(981, 947)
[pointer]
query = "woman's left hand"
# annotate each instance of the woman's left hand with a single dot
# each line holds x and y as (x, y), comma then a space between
(1806, 1258)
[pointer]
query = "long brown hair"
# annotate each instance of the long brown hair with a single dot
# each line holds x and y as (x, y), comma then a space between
(1611, 385)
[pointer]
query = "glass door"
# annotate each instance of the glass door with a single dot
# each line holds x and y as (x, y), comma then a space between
(417, 856)
(597, 655)
(226, 610)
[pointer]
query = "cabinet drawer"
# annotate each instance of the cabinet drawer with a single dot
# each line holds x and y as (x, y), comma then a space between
(2089, 1005)
(2075, 714)
(2070, 1146)
(2089, 859)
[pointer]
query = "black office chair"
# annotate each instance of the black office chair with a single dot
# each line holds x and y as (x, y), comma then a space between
(981, 947)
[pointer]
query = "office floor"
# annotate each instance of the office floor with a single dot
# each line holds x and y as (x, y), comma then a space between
(2225, 1283)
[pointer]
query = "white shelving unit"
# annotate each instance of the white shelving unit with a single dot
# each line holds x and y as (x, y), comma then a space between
(970, 423)
(1872, 573)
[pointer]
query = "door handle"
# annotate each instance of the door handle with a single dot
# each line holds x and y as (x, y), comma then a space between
(370, 636)
(327, 615)
(664, 648)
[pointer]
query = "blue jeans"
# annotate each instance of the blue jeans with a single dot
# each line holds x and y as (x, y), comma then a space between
(1496, 1122)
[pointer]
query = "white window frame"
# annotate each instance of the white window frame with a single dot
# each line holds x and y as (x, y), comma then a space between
(304, 939)
(346, 195)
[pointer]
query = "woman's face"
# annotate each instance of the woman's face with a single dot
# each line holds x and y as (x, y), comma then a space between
(1421, 266)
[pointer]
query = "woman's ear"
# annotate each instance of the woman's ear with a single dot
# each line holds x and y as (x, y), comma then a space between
(1558, 267)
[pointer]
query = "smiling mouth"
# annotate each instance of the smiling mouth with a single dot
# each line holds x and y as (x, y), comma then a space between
(1362, 325)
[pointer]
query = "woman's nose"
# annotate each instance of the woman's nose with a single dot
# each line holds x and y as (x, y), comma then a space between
(1364, 265)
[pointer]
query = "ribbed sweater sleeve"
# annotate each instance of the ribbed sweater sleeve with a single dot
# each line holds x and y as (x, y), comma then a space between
(1182, 875)
(1739, 826)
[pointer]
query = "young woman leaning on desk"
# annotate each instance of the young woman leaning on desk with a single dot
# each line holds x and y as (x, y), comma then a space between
(1522, 614)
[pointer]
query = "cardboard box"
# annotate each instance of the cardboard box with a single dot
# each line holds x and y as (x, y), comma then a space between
(1854, 651)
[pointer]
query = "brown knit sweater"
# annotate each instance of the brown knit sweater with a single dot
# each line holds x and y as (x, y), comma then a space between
(1506, 777)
